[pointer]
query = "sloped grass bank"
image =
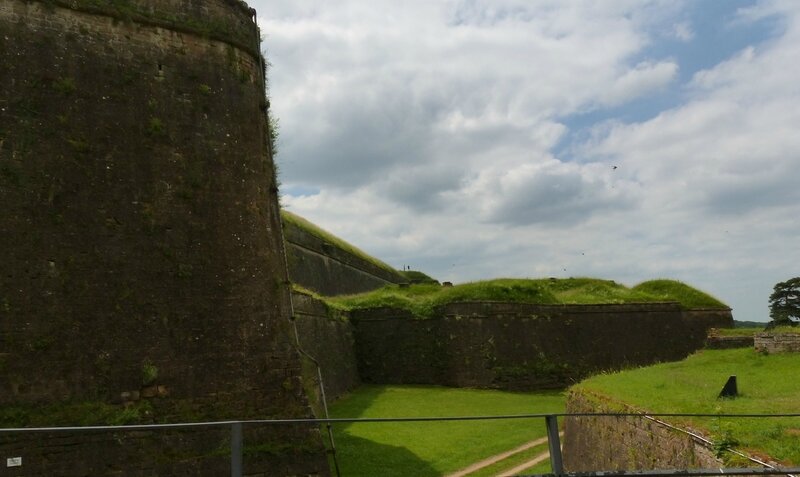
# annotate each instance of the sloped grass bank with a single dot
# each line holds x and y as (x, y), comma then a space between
(767, 384)
(423, 299)
(433, 448)
(318, 232)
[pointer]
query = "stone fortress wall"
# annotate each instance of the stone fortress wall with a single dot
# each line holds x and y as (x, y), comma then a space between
(509, 346)
(329, 270)
(142, 264)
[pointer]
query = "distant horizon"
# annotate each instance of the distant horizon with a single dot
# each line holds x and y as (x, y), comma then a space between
(476, 139)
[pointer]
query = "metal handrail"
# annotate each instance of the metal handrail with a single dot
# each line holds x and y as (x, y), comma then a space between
(550, 423)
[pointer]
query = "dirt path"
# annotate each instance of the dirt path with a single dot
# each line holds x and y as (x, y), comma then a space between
(526, 465)
(505, 455)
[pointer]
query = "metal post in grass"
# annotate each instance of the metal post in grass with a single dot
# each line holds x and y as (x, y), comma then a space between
(554, 443)
(236, 449)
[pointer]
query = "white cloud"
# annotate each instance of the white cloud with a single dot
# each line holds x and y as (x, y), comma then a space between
(683, 31)
(432, 131)
(645, 77)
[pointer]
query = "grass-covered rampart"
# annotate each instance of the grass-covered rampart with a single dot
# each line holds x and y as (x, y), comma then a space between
(423, 299)
(766, 383)
(312, 229)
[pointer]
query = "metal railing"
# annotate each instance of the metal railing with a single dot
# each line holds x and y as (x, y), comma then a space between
(550, 420)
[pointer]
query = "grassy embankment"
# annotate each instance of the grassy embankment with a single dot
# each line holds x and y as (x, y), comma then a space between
(434, 448)
(423, 299)
(767, 385)
(328, 237)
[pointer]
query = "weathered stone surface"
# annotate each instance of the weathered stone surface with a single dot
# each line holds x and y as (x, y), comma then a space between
(329, 270)
(729, 342)
(140, 228)
(777, 342)
(522, 346)
(330, 342)
(626, 443)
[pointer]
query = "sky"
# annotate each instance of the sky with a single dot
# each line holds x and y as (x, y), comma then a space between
(625, 139)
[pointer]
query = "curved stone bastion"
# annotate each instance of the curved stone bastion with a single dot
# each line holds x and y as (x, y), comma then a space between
(142, 266)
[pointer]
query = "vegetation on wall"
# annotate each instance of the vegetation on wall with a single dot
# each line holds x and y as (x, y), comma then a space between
(89, 413)
(423, 299)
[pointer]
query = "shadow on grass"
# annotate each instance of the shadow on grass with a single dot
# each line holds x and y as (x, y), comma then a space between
(361, 457)
(358, 456)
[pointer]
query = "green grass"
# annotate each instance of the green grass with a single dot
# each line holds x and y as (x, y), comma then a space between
(316, 231)
(423, 299)
(792, 330)
(415, 276)
(512, 462)
(433, 448)
(542, 468)
(675, 290)
(736, 331)
(767, 384)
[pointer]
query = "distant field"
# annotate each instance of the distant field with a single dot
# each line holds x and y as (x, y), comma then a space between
(433, 448)
(767, 384)
(424, 298)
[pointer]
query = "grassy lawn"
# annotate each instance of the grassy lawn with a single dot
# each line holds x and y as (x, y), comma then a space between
(423, 299)
(433, 448)
(767, 384)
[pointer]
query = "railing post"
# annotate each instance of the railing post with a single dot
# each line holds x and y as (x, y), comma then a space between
(236, 449)
(554, 443)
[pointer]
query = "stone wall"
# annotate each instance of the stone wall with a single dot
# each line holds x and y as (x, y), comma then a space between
(330, 341)
(777, 342)
(522, 346)
(729, 342)
(142, 254)
(329, 270)
(268, 451)
(612, 443)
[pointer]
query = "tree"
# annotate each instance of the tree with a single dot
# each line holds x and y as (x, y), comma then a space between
(784, 303)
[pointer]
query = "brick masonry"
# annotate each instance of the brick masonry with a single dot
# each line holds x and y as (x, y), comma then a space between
(777, 342)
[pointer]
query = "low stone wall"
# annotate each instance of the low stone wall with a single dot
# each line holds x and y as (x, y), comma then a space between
(330, 341)
(626, 443)
(523, 346)
(777, 342)
(327, 269)
(729, 342)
